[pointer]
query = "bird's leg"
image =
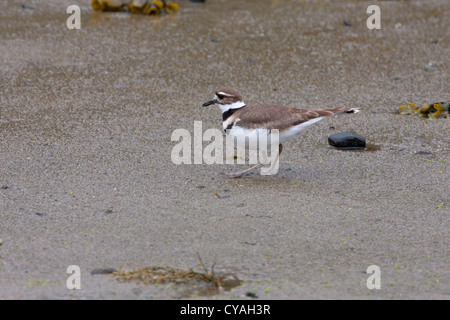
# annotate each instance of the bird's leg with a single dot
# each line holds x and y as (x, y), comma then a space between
(270, 171)
(241, 173)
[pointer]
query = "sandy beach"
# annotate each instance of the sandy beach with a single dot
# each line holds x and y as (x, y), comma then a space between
(86, 176)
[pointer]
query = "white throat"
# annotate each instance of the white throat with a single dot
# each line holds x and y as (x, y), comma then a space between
(235, 105)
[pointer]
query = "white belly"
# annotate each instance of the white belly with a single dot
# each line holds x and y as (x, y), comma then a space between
(254, 137)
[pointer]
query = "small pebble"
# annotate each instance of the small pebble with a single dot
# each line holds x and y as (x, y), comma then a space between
(347, 23)
(103, 271)
(27, 7)
(251, 294)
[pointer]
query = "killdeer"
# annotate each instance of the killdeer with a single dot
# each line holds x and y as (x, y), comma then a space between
(291, 122)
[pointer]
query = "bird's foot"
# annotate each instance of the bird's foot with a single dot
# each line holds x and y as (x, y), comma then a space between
(241, 173)
(233, 175)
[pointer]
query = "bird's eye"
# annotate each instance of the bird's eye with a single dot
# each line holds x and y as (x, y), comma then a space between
(220, 96)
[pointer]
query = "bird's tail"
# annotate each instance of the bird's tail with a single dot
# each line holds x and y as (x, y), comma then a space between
(343, 110)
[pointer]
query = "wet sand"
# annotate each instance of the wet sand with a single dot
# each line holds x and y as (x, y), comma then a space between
(86, 118)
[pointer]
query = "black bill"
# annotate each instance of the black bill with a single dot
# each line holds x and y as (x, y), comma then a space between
(210, 102)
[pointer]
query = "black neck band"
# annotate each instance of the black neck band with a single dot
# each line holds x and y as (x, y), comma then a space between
(229, 112)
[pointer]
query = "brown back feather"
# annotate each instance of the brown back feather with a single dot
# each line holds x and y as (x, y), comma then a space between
(279, 117)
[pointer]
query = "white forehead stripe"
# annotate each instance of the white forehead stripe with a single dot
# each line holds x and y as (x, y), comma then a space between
(224, 94)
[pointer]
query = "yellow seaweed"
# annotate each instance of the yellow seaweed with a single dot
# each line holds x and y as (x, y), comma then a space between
(158, 4)
(406, 109)
(135, 6)
(109, 5)
(172, 6)
(98, 5)
(427, 110)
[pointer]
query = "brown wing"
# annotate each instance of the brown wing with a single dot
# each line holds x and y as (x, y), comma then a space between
(279, 117)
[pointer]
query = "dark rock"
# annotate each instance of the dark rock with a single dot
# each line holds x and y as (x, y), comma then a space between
(251, 294)
(347, 140)
(347, 23)
(109, 211)
(215, 41)
(40, 214)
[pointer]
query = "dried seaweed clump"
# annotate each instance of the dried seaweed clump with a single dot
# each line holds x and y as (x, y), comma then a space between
(135, 6)
(434, 110)
(158, 275)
